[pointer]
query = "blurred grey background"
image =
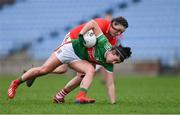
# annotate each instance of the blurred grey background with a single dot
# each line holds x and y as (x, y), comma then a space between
(31, 29)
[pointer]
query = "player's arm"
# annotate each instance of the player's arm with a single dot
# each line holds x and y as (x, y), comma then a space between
(110, 82)
(91, 25)
(110, 87)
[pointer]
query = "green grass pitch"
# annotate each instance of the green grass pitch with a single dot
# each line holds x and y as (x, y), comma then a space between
(134, 95)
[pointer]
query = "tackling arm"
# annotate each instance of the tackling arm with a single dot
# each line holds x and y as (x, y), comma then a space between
(91, 25)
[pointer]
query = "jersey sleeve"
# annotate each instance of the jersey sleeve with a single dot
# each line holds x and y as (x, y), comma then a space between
(108, 67)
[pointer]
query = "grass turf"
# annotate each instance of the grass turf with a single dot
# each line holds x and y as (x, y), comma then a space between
(134, 95)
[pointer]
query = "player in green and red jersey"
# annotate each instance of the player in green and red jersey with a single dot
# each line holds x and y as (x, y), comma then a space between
(54, 61)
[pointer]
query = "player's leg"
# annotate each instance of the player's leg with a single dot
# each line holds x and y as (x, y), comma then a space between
(59, 70)
(70, 86)
(46, 68)
(89, 71)
(75, 82)
(103, 72)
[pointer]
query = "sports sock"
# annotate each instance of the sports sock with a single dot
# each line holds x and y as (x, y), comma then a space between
(62, 93)
(82, 92)
(20, 80)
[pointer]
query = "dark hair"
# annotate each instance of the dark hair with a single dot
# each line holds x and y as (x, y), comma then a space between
(120, 20)
(122, 52)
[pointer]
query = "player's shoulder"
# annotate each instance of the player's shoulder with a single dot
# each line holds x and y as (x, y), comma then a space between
(102, 37)
(102, 40)
(102, 20)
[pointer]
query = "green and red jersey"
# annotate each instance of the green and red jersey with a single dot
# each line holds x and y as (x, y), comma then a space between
(96, 54)
(103, 24)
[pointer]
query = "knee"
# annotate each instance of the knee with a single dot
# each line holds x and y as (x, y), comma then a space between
(61, 70)
(64, 70)
(90, 71)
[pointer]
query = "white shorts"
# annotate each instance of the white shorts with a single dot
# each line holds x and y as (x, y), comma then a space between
(98, 67)
(65, 53)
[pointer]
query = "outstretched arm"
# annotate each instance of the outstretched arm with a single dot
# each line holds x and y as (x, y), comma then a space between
(110, 87)
(91, 25)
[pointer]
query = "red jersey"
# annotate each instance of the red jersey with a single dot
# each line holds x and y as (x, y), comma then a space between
(103, 24)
